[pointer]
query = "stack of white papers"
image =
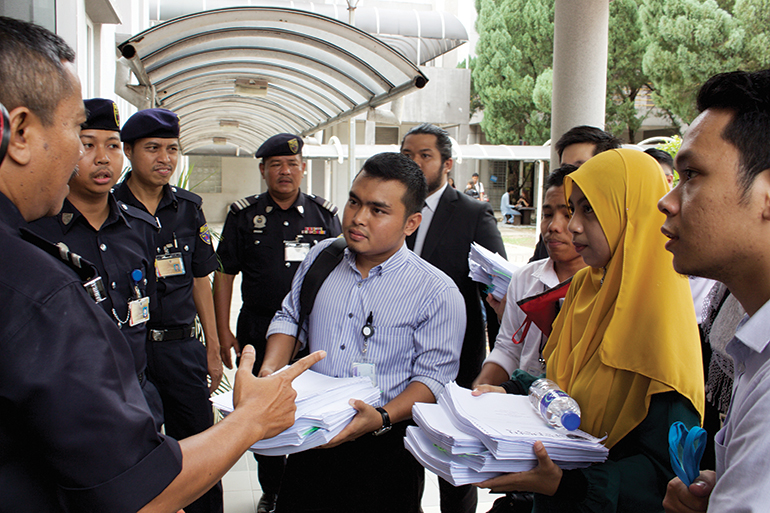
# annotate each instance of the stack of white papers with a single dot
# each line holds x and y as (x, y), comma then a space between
(497, 432)
(323, 410)
(491, 269)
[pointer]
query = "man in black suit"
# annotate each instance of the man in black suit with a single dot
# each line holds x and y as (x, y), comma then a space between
(451, 221)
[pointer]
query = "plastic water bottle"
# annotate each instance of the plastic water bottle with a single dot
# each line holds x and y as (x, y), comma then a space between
(555, 406)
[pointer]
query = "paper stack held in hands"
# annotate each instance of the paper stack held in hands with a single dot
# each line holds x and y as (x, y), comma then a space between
(323, 410)
(466, 439)
(491, 269)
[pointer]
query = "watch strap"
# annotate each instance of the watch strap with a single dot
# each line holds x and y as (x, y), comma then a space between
(386, 425)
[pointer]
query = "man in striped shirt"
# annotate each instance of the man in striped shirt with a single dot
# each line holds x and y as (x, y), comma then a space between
(382, 312)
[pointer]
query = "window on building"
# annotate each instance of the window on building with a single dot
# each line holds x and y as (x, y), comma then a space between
(205, 174)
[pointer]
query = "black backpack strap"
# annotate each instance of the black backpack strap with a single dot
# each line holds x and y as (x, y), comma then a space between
(323, 265)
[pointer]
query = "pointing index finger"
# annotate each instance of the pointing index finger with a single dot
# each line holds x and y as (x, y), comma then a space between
(304, 364)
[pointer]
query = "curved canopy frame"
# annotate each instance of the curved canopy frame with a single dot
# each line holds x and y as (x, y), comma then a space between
(243, 74)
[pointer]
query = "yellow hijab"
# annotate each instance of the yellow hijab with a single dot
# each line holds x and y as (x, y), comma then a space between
(617, 342)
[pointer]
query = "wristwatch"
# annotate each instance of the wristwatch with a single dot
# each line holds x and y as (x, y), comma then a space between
(385, 422)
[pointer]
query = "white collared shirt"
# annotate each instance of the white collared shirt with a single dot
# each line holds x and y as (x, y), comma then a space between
(431, 204)
(743, 445)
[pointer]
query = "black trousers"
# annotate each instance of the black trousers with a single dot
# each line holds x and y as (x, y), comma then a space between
(457, 499)
(178, 369)
(368, 475)
(251, 330)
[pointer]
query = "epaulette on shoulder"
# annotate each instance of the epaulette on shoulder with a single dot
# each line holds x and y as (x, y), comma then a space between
(328, 205)
(187, 195)
(138, 213)
(243, 203)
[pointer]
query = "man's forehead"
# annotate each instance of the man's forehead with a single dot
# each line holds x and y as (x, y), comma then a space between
(704, 135)
(425, 141)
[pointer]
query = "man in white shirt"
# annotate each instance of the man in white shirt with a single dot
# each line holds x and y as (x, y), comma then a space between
(529, 280)
(718, 223)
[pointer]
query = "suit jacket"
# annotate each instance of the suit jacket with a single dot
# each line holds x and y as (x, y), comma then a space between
(458, 221)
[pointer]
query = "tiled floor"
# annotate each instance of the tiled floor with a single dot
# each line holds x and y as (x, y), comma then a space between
(241, 487)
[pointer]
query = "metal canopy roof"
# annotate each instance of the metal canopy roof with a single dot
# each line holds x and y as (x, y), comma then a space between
(237, 76)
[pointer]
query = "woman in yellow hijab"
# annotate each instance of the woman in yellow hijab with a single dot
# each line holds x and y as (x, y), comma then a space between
(625, 345)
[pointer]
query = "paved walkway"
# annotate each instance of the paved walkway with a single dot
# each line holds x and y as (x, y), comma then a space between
(241, 487)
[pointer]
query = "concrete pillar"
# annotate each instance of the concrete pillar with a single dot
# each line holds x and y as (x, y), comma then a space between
(579, 66)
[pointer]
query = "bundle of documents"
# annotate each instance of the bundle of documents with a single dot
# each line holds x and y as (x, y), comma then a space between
(491, 269)
(466, 439)
(323, 410)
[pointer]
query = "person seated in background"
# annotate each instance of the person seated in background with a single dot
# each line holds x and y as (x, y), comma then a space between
(625, 345)
(471, 191)
(506, 208)
(666, 162)
(529, 280)
(524, 200)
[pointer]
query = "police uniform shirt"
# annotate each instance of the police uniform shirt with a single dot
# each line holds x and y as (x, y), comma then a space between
(253, 243)
(76, 433)
(183, 230)
(118, 248)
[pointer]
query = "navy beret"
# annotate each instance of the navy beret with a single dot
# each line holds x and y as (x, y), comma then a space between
(102, 115)
(150, 123)
(279, 145)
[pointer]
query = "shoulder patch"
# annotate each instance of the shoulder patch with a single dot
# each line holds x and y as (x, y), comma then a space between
(328, 205)
(187, 195)
(138, 213)
(243, 203)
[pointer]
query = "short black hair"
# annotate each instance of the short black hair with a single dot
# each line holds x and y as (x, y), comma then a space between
(747, 96)
(395, 166)
(556, 177)
(663, 157)
(511, 188)
(443, 142)
(587, 134)
(31, 68)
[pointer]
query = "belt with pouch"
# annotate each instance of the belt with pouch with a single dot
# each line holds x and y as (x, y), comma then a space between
(165, 335)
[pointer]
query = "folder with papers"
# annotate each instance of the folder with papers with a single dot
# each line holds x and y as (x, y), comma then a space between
(491, 269)
(323, 411)
(464, 437)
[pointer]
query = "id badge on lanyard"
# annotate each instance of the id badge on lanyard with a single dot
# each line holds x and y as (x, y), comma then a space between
(363, 366)
(170, 264)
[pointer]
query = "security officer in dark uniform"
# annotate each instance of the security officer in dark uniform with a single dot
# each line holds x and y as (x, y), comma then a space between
(177, 362)
(265, 237)
(117, 238)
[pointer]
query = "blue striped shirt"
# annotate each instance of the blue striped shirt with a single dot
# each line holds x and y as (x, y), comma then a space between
(418, 317)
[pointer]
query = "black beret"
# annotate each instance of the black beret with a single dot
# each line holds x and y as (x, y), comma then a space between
(102, 115)
(279, 145)
(150, 123)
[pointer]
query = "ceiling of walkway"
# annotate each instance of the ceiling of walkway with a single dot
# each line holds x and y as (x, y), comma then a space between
(236, 76)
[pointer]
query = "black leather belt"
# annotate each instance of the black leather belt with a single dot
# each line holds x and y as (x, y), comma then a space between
(164, 335)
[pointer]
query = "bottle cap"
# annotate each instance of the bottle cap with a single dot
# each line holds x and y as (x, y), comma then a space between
(570, 421)
(137, 275)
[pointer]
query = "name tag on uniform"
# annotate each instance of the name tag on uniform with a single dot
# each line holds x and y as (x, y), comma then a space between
(139, 311)
(295, 251)
(169, 265)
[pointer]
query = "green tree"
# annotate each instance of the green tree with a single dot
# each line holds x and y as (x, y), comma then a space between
(625, 77)
(689, 41)
(515, 48)
(754, 17)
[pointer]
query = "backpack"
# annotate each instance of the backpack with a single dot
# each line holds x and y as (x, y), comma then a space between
(323, 265)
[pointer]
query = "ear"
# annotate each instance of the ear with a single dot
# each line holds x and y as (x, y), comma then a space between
(412, 223)
(127, 150)
(262, 169)
(762, 186)
(448, 163)
(303, 167)
(24, 126)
